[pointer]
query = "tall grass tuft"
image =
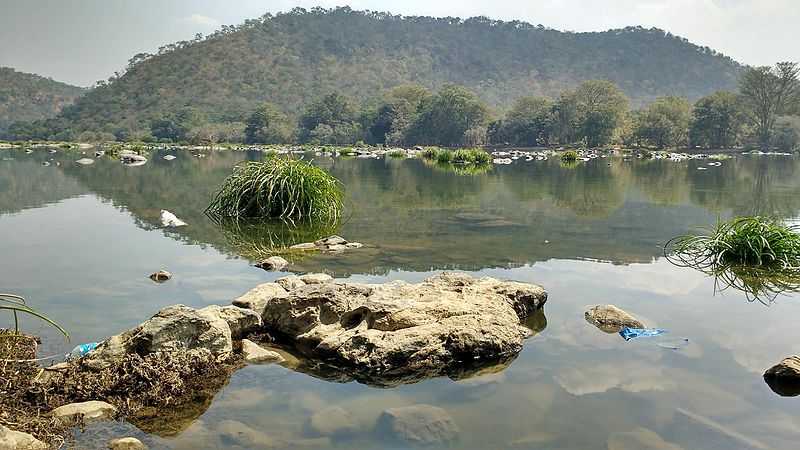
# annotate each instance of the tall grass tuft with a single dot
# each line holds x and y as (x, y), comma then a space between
(17, 305)
(758, 255)
(279, 188)
(470, 156)
(569, 156)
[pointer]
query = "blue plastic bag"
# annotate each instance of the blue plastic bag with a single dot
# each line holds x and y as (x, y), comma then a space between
(82, 350)
(634, 333)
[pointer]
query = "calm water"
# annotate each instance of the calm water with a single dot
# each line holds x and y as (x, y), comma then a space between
(79, 241)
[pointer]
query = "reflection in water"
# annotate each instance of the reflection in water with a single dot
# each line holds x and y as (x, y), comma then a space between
(258, 239)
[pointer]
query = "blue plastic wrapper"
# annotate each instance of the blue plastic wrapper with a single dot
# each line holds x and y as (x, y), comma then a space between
(634, 333)
(82, 350)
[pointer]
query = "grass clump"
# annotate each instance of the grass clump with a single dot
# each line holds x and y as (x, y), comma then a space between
(470, 156)
(569, 156)
(757, 255)
(397, 154)
(444, 156)
(279, 188)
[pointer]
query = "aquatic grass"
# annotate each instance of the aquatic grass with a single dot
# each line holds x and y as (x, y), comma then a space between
(16, 304)
(430, 152)
(444, 156)
(397, 154)
(279, 188)
(459, 169)
(757, 255)
(470, 156)
(569, 156)
(256, 240)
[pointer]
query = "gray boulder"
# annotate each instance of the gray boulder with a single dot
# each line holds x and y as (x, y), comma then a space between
(12, 440)
(418, 425)
(611, 319)
(398, 329)
(316, 278)
(331, 421)
(290, 282)
(256, 354)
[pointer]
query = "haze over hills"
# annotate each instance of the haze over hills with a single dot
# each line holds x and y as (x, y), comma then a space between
(291, 58)
(26, 97)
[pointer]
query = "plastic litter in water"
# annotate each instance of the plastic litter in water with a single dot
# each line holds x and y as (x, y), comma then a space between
(634, 333)
(82, 350)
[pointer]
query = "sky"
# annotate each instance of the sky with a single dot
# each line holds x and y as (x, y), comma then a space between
(82, 41)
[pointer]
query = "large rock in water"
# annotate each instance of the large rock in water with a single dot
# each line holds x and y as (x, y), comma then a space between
(784, 378)
(398, 329)
(178, 328)
(418, 425)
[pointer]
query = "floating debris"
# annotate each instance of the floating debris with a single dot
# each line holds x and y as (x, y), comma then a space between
(629, 333)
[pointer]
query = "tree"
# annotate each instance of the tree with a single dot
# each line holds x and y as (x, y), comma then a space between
(330, 120)
(564, 120)
(665, 123)
(445, 118)
(716, 120)
(267, 125)
(767, 93)
(528, 122)
(176, 127)
(601, 108)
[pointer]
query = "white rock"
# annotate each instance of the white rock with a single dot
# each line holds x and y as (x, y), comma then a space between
(256, 299)
(273, 263)
(127, 443)
(88, 411)
(84, 161)
(316, 278)
(290, 282)
(254, 353)
(12, 440)
(170, 220)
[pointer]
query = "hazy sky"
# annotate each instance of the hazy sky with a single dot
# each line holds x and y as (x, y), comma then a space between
(81, 41)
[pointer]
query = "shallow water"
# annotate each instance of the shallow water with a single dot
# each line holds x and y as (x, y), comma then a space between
(79, 241)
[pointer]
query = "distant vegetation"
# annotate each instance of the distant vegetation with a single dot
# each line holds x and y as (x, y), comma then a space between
(294, 58)
(28, 97)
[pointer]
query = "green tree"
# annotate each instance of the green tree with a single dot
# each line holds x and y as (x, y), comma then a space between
(601, 108)
(717, 120)
(267, 125)
(331, 119)
(768, 92)
(176, 127)
(528, 122)
(665, 123)
(564, 119)
(445, 118)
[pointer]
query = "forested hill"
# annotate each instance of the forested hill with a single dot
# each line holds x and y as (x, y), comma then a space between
(291, 58)
(25, 96)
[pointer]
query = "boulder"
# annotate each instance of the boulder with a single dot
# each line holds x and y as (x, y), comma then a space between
(784, 378)
(256, 354)
(304, 246)
(12, 440)
(290, 282)
(128, 443)
(256, 299)
(177, 328)
(354, 245)
(333, 421)
(418, 425)
(331, 240)
(273, 263)
(442, 325)
(240, 320)
(160, 276)
(86, 411)
(316, 278)
(611, 319)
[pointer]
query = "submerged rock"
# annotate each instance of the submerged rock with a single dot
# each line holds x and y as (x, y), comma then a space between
(85, 411)
(784, 378)
(331, 240)
(331, 421)
(10, 440)
(128, 443)
(611, 319)
(255, 354)
(400, 330)
(419, 425)
(273, 263)
(160, 276)
(639, 439)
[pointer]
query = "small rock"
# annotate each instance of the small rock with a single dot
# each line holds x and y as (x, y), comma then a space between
(418, 425)
(88, 411)
(128, 443)
(337, 248)
(273, 263)
(84, 161)
(160, 276)
(784, 378)
(316, 278)
(254, 353)
(171, 220)
(290, 282)
(332, 421)
(611, 319)
(304, 246)
(354, 245)
(10, 440)
(331, 240)
(256, 299)
(169, 157)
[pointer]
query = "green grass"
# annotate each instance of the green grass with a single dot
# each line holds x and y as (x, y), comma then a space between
(397, 154)
(569, 156)
(444, 156)
(758, 255)
(470, 156)
(279, 188)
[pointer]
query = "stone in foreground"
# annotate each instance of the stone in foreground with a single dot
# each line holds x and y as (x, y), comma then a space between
(418, 425)
(256, 354)
(10, 439)
(85, 411)
(784, 378)
(611, 319)
(398, 329)
(128, 443)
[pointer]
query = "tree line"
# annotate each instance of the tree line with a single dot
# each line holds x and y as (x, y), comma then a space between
(764, 112)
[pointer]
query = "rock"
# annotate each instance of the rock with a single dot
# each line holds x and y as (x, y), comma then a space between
(316, 278)
(610, 319)
(177, 328)
(244, 436)
(254, 353)
(330, 240)
(398, 329)
(784, 378)
(169, 157)
(354, 245)
(160, 276)
(240, 320)
(304, 246)
(256, 299)
(87, 411)
(418, 425)
(273, 263)
(12, 440)
(337, 248)
(290, 282)
(170, 220)
(639, 439)
(332, 421)
(128, 443)
(85, 161)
